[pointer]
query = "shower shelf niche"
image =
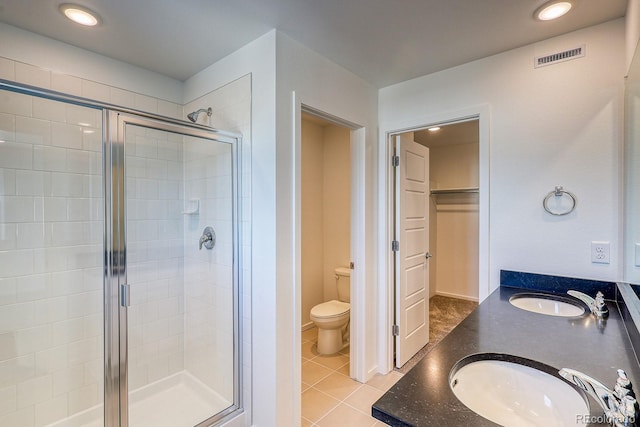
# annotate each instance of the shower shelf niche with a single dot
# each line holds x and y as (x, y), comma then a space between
(192, 208)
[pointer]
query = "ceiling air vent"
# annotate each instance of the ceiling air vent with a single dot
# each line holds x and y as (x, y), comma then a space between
(554, 58)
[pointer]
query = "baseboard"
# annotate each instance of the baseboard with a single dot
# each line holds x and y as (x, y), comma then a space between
(452, 295)
(307, 326)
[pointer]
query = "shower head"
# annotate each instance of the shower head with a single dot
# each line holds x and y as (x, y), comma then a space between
(194, 116)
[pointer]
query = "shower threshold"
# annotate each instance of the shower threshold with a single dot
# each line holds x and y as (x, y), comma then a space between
(180, 400)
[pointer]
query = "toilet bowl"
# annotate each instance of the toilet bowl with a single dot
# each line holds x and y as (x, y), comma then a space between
(332, 317)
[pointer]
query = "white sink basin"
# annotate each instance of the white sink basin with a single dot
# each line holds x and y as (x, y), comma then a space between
(512, 394)
(547, 304)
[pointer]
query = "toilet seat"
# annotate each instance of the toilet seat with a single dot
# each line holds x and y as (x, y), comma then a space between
(330, 309)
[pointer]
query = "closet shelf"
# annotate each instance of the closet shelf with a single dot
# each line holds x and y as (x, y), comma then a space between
(466, 190)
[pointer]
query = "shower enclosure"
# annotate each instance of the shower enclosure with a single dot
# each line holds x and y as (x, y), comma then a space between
(111, 311)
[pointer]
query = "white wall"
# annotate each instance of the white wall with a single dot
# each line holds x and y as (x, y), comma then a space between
(556, 125)
(257, 59)
(305, 77)
(276, 391)
(632, 29)
(66, 60)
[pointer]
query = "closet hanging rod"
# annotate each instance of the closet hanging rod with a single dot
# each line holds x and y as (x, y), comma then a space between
(471, 190)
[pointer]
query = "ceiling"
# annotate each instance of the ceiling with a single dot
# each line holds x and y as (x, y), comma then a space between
(466, 132)
(383, 41)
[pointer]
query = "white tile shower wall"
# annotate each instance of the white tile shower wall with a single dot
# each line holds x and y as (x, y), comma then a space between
(232, 111)
(51, 227)
(231, 106)
(72, 85)
(154, 171)
(51, 196)
(208, 273)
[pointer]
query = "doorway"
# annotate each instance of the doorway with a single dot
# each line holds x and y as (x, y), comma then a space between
(325, 231)
(436, 198)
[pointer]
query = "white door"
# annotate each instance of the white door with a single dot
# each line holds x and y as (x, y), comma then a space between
(412, 256)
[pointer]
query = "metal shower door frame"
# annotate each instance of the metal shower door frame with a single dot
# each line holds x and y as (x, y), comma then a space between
(116, 409)
(115, 119)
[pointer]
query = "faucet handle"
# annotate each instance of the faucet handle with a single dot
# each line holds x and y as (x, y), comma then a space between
(599, 300)
(623, 385)
(627, 409)
(600, 307)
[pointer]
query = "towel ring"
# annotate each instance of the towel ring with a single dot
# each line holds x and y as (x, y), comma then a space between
(559, 192)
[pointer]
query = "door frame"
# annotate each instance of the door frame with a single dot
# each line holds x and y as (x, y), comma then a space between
(386, 223)
(358, 179)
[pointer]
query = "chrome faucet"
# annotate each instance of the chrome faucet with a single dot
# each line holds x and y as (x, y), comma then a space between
(597, 305)
(619, 405)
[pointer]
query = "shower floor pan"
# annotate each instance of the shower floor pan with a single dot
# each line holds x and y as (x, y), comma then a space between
(176, 401)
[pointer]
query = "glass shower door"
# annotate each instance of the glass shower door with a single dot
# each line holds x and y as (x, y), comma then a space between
(181, 280)
(110, 312)
(51, 263)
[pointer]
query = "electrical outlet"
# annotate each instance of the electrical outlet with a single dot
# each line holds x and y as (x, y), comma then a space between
(637, 255)
(600, 252)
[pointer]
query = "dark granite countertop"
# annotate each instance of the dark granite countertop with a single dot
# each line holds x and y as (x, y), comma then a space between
(423, 396)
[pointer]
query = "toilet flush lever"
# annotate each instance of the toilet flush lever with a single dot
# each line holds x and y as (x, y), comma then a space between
(428, 255)
(208, 238)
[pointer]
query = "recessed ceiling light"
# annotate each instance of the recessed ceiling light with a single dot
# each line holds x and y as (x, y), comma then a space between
(434, 129)
(80, 14)
(552, 10)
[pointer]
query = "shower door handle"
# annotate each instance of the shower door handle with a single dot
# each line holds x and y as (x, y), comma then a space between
(125, 297)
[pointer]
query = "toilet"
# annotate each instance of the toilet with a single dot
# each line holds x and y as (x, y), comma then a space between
(332, 317)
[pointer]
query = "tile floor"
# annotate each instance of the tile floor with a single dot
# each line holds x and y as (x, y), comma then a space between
(329, 396)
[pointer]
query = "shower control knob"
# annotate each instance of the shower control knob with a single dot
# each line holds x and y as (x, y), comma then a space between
(208, 238)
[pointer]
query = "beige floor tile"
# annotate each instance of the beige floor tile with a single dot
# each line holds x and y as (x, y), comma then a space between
(306, 423)
(310, 335)
(334, 361)
(338, 386)
(309, 350)
(384, 382)
(344, 415)
(305, 386)
(345, 369)
(316, 404)
(363, 398)
(313, 372)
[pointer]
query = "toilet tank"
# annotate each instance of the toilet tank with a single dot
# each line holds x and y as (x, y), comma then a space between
(343, 283)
